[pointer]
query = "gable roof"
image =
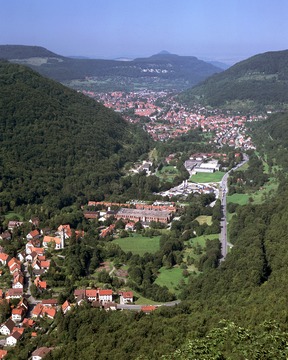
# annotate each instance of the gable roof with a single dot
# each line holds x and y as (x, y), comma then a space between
(42, 351)
(10, 324)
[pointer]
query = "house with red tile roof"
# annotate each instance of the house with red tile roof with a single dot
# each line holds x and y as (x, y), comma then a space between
(126, 297)
(66, 306)
(14, 293)
(50, 302)
(148, 308)
(105, 296)
(91, 295)
(4, 258)
(18, 314)
(40, 353)
(55, 242)
(18, 280)
(3, 353)
(28, 323)
(34, 234)
(14, 265)
(41, 311)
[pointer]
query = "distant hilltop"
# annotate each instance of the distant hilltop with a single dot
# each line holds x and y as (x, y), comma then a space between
(164, 70)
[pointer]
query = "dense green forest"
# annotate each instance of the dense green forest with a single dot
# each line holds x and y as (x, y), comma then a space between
(255, 84)
(58, 146)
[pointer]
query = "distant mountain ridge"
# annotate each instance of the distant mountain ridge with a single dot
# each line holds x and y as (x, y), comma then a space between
(179, 71)
(260, 82)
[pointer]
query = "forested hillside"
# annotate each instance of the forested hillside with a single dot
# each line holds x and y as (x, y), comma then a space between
(258, 83)
(56, 145)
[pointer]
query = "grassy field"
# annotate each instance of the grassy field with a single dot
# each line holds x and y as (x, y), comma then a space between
(199, 241)
(138, 244)
(207, 177)
(12, 215)
(257, 197)
(167, 173)
(203, 219)
(169, 278)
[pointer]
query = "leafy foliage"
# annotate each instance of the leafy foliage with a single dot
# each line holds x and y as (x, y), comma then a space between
(57, 145)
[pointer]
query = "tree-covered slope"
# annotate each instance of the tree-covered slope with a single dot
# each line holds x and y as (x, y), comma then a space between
(260, 82)
(166, 68)
(56, 144)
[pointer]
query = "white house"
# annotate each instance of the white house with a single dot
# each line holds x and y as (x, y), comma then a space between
(126, 297)
(7, 327)
(12, 339)
(105, 296)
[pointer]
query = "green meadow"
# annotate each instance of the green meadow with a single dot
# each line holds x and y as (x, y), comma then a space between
(138, 244)
(170, 278)
(207, 177)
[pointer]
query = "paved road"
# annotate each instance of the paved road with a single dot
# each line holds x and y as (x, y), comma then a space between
(138, 307)
(223, 198)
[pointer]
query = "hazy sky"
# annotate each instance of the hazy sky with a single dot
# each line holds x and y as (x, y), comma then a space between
(225, 30)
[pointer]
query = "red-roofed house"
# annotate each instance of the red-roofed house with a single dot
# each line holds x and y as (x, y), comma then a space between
(18, 280)
(14, 265)
(28, 323)
(55, 241)
(14, 293)
(66, 306)
(40, 353)
(34, 234)
(105, 295)
(50, 302)
(126, 297)
(148, 308)
(3, 353)
(91, 295)
(18, 314)
(4, 258)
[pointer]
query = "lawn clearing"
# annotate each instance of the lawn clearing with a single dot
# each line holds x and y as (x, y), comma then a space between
(203, 219)
(168, 173)
(207, 177)
(13, 216)
(170, 278)
(138, 244)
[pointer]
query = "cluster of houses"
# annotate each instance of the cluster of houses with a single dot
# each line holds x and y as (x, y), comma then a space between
(34, 254)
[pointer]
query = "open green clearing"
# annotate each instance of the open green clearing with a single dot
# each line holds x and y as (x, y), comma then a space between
(13, 216)
(207, 177)
(204, 219)
(170, 278)
(195, 247)
(141, 300)
(258, 196)
(138, 244)
(168, 173)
